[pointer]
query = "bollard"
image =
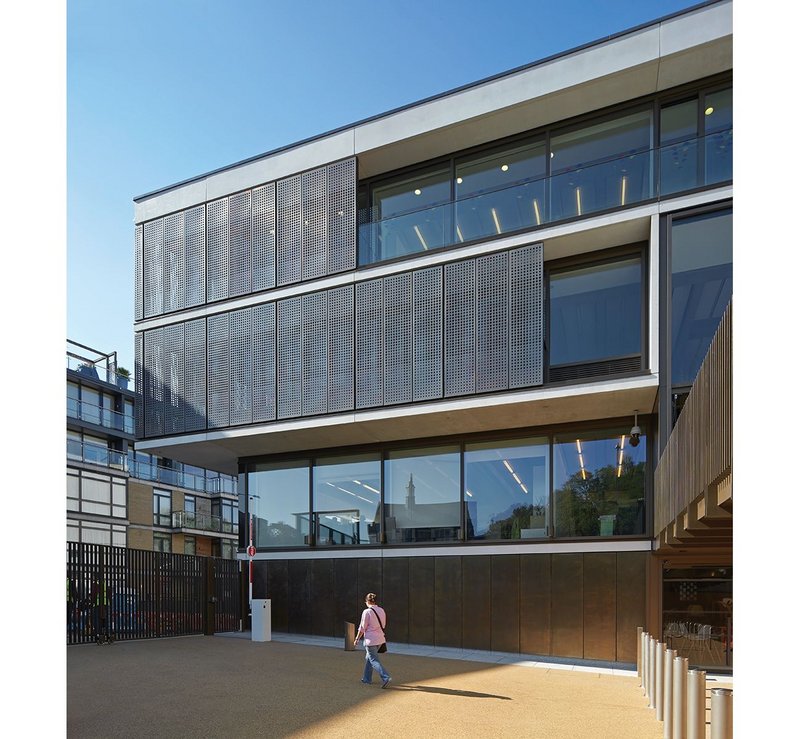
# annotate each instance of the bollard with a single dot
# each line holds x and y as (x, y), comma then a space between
(349, 637)
(651, 678)
(721, 713)
(680, 667)
(669, 659)
(660, 680)
(645, 660)
(696, 704)
(639, 632)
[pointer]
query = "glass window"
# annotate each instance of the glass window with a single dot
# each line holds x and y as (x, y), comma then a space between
(679, 163)
(602, 165)
(73, 490)
(129, 418)
(162, 542)
(190, 510)
(279, 496)
(95, 449)
(226, 511)
(162, 513)
(507, 488)
(96, 494)
(500, 191)
(423, 489)
(96, 533)
(718, 123)
(599, 484)
(74, 445)
(702, 276)
(189, 545)
(73, 399)
(347, 499)
(90, 405)
(596, 312)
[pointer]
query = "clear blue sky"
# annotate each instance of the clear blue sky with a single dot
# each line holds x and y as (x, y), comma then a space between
(159, 91)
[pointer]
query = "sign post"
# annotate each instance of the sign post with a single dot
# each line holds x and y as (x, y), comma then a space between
(251, 550)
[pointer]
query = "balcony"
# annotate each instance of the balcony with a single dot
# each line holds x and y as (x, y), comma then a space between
(623, 181)
(97, 365)
(213, 483)
(78, 451)
(202, 522)
(99, 416)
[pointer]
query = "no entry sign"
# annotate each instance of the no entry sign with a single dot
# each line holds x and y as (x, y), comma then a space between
(251, 551)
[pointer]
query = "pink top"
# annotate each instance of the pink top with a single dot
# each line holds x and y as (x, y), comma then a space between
(370, 627)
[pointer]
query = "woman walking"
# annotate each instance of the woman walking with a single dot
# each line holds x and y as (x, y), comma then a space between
(373, 621)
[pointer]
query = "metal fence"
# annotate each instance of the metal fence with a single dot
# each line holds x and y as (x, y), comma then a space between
(115, 593)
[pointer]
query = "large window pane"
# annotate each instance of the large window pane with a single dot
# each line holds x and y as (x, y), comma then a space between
(596, 312)
(506, 487)
(279, 503)
(422, 495)
(599, 484)
(702, 273)
(347, 499)
(718, 120)
(679, 165)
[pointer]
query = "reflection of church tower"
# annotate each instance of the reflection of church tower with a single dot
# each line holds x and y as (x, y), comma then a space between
(410, 502)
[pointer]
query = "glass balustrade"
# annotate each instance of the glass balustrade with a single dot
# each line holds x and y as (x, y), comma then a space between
(202, 522)
(99, 416)
(96, 454)
(579, 191)
(99, 372)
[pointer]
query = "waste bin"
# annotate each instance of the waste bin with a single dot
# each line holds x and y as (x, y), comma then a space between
(261, 629)
(349, 636)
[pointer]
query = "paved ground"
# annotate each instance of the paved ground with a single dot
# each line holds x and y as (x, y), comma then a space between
(215, 686)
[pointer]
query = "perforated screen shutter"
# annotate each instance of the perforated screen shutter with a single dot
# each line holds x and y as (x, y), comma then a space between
(264, 237)
(340, 349)
(174, 263)
(315, 353)
(195, 374)
(526, 316)
(398, 335)
(314, 258)
(153, 268)
(289, 358)
(194, 229)
(138, 255)
(491, 305)
(241, 364)
(428, 333)
(217, 250)
(264, 362)
(154, 382)
(139, 375)
(174, 399)
(369, 344)
(218, 371)
(289, 231)
(459, 328)
(342, 183)
(240, 262)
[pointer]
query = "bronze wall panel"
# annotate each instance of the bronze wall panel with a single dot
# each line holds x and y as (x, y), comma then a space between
(505, 602)
(447, 601)
(370, 579)
(631, 595)
(420, 600)
(323, 612)
(277, 578)
(395, 598)
(600, 605)
(477, 602)
(300, 604)
(534, 604)
(349, 603)
(566, 607)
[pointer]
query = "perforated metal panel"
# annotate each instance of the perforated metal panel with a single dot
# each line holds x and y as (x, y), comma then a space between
(174, 263)
(241, 364)
(491, 325)
(369, 344)
(526, 317)
(315, 354)
(398, 382)
(174, 402)
(264, 237)
(459, 328)
(218, 371)
(138, 256)
(194, 229)
(289, 242)
(342, 183)
(154, 382)
(340, 349)
(314, 258)
(264, 362)
(139, 375)
(153, 268)
(289, 358)
(195, 374)
(428, 333)
(240, 261)
(217, 249)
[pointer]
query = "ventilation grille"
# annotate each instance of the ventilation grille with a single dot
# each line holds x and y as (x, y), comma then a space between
(595, 369)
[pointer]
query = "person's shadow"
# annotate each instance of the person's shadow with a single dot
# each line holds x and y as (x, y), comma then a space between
(448, 691)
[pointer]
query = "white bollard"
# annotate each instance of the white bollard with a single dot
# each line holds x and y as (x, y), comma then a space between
(680, 667)
(721, 714)
(696, 704)
(669, 659)
(651, 680)
(645, 660)
(660, 680)
(639, 632)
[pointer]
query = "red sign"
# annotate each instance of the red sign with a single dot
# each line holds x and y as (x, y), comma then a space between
(251, 551)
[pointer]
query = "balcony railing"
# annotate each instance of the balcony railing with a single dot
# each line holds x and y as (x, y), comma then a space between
(78, 451)
(178, 478)
(99, 416)
(623, 181)
(202, 522)
(96, 371)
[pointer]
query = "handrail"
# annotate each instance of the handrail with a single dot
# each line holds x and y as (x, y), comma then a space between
(100, 416)
(202, 522)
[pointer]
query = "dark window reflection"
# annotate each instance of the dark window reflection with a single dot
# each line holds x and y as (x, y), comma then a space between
(679, 163)
(599, 484)
(718, 122)
(278, 497)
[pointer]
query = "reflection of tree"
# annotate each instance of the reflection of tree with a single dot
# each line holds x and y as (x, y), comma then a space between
(580, 503)
(512, 522)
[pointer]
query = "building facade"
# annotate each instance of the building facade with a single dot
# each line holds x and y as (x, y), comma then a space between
(444, 348)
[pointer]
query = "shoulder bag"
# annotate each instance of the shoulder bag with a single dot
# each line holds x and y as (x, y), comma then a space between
(382, 648)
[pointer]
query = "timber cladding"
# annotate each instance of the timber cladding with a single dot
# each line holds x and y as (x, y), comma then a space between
(580, 605)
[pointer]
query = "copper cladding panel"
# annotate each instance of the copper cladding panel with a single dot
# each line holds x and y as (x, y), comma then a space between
(566, 610)
(349, 602)
(505, 603)
(323, 612)
(420, 600)
(394, 598)
(599, 605)
(631, 592)
(447, 601)
(534, 604)
(477, 604)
